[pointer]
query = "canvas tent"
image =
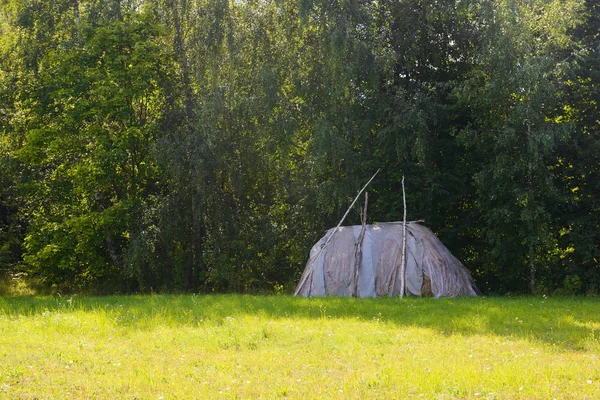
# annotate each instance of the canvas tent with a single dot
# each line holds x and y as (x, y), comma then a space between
(333, 270)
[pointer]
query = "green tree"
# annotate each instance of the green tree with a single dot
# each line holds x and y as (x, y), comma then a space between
(12, 223)
(579, 169)
(518, 125)
(89, 147)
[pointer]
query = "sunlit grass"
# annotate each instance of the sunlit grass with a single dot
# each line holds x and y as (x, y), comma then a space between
(266, 347)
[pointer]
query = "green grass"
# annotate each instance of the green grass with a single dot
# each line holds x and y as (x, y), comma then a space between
(231, 346)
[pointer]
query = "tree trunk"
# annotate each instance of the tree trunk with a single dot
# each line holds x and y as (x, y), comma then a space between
(77, 13)
(192, 144)
(115, 10)
(182, 58)
(532, 281)
(531, 205)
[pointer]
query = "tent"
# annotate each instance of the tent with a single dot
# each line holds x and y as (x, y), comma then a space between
(431, 270)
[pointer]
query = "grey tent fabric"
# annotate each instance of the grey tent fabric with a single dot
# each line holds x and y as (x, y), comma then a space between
(332, 271)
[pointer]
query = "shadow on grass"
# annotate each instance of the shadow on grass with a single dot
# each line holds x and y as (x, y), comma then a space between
(569, 323)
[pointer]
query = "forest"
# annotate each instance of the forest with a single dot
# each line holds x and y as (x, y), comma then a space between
(205, 145)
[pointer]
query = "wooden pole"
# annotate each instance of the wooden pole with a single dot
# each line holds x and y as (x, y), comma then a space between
(358, 251)
(403, 260)
(402, 255)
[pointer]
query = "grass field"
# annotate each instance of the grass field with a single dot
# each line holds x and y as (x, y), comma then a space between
(170, 347)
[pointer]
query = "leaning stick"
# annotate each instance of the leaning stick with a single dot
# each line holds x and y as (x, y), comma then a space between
(348, 211)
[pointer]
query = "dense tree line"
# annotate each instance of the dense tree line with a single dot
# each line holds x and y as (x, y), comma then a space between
(204, 145)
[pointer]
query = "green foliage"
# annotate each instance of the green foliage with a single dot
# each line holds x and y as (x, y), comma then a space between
(518, 126)
(192, 145)
(88, 146)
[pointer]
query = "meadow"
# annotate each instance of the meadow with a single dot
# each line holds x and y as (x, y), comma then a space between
(240, 346)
